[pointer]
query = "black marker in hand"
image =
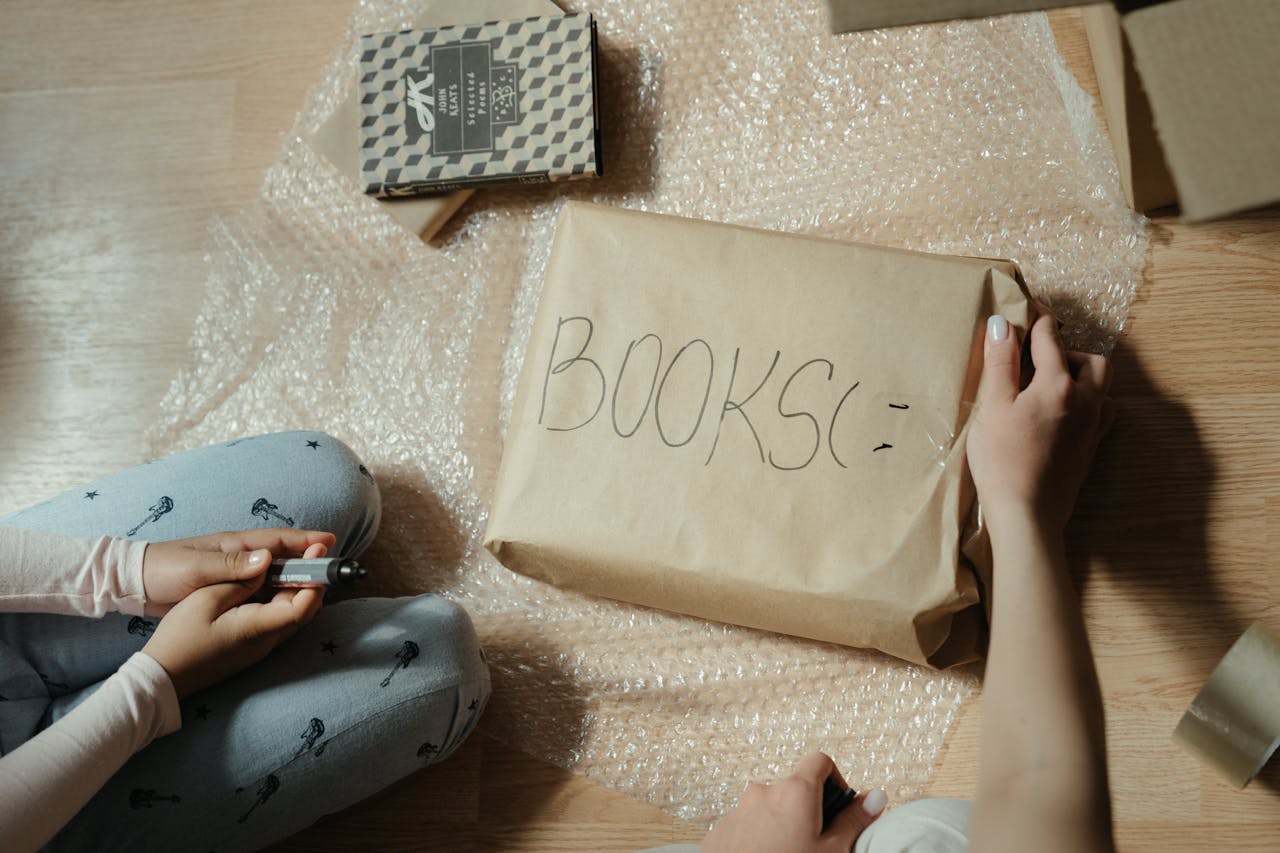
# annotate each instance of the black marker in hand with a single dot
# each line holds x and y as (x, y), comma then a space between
(318, 571)
(835, 799)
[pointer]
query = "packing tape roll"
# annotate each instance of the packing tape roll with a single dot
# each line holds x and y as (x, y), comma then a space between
(1234, 723)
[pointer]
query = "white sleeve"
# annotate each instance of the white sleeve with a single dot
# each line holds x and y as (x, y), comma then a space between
(47, 573)
(48, 779)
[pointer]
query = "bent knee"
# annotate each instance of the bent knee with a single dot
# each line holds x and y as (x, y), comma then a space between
(459, 690)
(339, 493)
(452, 636)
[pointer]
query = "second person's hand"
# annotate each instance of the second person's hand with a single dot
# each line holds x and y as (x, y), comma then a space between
(786, 817)
(1029, 450)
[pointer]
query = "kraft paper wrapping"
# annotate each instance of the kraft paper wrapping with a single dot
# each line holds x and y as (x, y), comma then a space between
(754, 428)
(1234, 723)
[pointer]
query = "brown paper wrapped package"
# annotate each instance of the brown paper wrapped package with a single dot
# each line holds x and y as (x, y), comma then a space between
(754, 428)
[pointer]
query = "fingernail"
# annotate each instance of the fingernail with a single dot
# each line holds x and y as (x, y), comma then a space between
(259, 558)
(997, 327)
(875, 802)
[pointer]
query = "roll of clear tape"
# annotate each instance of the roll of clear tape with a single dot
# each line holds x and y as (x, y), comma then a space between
(1234, 723)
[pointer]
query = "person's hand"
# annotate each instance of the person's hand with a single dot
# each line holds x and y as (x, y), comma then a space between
(1029, 450)
(786, 817)
(173, 570)
(214, 633)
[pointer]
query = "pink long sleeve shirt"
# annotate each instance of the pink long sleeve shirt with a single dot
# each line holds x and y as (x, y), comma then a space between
(45, 781)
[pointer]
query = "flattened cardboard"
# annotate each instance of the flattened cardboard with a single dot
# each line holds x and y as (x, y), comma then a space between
(755, 428)
(849, 15)
(1209, 68)
(1143, 171)
(338, 139)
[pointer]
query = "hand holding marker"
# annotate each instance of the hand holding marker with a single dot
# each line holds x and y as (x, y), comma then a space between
(320, 571)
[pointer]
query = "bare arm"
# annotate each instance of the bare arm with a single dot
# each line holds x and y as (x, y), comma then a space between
(46, 780)
(1043, 776)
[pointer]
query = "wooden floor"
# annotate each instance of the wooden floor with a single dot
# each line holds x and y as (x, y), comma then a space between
(124, 127)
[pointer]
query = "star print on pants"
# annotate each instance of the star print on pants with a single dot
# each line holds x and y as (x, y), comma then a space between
(90, 495)
(314, 445)
(329, 646)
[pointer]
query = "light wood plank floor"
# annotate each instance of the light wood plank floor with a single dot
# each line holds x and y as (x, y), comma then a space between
(124, 127)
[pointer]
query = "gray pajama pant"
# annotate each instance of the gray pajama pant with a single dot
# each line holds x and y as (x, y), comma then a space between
(367, 693)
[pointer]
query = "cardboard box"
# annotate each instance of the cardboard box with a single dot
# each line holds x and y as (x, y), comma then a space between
(755, 428)
(1210, 70)
(1139, 157)
(1189, 89)
(848, 15)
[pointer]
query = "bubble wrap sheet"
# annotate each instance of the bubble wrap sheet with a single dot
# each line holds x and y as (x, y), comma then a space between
(966, 138)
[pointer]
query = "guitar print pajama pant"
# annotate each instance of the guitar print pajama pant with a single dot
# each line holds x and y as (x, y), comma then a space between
(370, 691)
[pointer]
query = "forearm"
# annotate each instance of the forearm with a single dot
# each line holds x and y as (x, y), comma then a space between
(47, 573)
(1043, 754)
(45, 781)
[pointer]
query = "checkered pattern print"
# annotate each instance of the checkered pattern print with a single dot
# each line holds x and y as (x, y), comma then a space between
(439, 111)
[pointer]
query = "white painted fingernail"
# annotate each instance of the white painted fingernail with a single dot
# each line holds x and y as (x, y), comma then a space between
(875, 802)
(259, 558)
(997, 328)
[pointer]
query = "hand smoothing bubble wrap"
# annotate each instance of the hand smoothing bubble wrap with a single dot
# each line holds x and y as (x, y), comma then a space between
(755, 428)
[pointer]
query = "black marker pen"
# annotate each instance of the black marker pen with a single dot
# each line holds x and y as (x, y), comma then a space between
(835, 799)
(320, 571)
